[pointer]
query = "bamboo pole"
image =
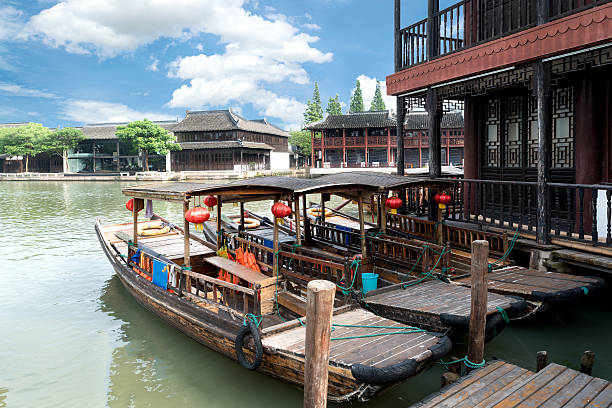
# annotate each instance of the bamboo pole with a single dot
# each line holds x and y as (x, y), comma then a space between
(319, 310)
(478, 314)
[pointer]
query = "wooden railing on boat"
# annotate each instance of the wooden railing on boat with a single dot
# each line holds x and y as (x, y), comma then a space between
(329, 234)
(302, 269)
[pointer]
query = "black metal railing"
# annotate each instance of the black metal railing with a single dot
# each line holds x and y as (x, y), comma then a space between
(471, 22)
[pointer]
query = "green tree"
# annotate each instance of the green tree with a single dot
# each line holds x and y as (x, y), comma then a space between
(149, 137)
(26, 141)
(60, 141)
(377, 102)
(301, 139)
(314, 111)
(357, 100)
(333, 106)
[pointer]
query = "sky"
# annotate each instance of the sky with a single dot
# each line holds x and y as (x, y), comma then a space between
(74, 62)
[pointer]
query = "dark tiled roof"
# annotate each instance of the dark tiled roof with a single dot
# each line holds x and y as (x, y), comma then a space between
(219, 120)
(453, 120)
(12, 125)
(224, 145)
(106, 131)
(355, 121)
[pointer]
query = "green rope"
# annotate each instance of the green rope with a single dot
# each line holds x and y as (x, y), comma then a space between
(465, 360)
(585, 290)
(356, 262)
(256, 319)
(503, 314)
(505, 255)
(401, 330)
(427, 274)
(437, 223)
(186, 268)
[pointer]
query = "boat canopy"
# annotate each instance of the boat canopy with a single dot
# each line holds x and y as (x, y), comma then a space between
(348, 184)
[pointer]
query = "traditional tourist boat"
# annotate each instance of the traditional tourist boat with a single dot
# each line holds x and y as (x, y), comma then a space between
(252, 311)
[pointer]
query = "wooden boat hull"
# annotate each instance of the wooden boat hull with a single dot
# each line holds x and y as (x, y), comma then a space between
(207, 328)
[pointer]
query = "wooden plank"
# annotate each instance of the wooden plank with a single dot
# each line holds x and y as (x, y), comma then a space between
(603, 399)
(292, 302)
(587, 394)
(550, 389)
(239, 270)
(509, 376)
(530, 386)
(567, 392)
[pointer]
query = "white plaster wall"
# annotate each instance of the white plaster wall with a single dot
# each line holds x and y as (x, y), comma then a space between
(279, 161)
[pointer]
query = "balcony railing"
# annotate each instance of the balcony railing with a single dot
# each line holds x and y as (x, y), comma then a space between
(472, 22)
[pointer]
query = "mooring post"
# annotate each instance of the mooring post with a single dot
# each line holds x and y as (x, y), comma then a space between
(439, 222)
(319, 310)
(541, 360)
(586, 362)
(478, 315)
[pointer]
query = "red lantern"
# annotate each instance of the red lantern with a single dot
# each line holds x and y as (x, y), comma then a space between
(197, 216)
(280, 210)
(130, 205)
(442, 199)
(394, 203)
(210, 202)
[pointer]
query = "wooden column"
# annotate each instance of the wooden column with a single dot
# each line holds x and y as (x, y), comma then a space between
(307, 237)
(344, 147)
(312, 150)
(135, 220)
(364, 251)
(542, 90)
(322, 208)
(383, 213)
(478, 314)
(275, 246)
(433, 30)
(319, 311)
(388, 146)
(434, 114)
(298, 228)
(186, 247)
(439, 226)
(241, 228)
(400, 135)
(365, 130)
(397, 41)
(219, 234)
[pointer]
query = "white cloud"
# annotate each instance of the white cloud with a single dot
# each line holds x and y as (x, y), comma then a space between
(368, 87)
(18, 90)
(200, 47)
(12, 22)
(153, 65)
(311, 26)
(88, 111)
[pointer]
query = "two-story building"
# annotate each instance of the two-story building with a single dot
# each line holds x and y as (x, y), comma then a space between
(535, 81)
(416, 140)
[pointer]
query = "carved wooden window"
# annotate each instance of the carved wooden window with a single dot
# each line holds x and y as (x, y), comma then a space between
(563, 128)
(514, 132)
(532, 141)
(493, 142)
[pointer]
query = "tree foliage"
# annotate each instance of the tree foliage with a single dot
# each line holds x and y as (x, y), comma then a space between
(62, 139)
(149, 137)
(28, 140)
(301, 139)
(357, 99)
(333, 106)
(377, 102)
(314, 111)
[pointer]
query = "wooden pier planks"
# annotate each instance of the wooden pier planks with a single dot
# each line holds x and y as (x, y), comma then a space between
(504, 385)
(427, 301)
(377, 351)
(537, 285)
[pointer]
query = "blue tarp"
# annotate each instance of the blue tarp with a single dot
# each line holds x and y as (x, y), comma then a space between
(160, 274)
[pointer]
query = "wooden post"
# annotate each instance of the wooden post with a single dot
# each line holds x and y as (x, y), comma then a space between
(307, 237)
(400, 136)
(586, 362)
(135, 220)
(397, 41)
(383, 213)
(298, 228)
(275, 245)
(364, 251)
(219, 232)
(541, 360)
(434, 113)
(322, 209)
(241, 228)
(186, 247)
(542, 90)
(319, 310)
(478, 314)
(433, 30)
(439, 236)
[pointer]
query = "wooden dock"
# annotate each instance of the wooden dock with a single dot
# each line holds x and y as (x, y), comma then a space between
(536, 285)
(502, 384)
(435, 305)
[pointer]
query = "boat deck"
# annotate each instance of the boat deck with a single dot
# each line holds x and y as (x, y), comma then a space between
(433, 304)
(378, 351)
(501, 384)
(345, 223)
(170, 245)
(537, 285)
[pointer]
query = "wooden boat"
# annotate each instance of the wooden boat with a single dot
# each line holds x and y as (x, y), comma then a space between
(176, 276)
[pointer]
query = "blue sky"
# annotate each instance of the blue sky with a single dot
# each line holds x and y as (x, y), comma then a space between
(85, 61)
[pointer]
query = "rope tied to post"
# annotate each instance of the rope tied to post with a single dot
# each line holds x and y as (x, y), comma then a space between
(464, 360)
(257, 319)
(503, 314)
(515, 237)
(356, 262)
(585, 290)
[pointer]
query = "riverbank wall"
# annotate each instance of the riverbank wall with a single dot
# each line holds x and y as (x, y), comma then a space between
(152, 176)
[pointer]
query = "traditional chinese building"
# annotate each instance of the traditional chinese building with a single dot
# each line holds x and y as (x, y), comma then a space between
(368, 139)
(223, 140)
(535, 81)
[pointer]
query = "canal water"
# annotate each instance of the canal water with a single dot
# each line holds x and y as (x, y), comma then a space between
(71, 336)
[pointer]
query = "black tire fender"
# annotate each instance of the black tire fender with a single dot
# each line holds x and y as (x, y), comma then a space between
(250, 329)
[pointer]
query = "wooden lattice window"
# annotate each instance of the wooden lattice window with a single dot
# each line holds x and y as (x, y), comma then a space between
(493, 142)
(514, 132)
(532, 141)
(563, 128)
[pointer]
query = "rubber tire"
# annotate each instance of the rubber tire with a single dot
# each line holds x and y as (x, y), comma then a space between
(249, 329)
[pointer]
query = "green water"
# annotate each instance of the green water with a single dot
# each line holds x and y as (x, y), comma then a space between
(71, 336)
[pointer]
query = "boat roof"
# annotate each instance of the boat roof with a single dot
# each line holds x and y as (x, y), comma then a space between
(346, 184)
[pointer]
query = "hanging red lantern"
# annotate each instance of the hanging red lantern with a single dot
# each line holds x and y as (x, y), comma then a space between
(442, 199)
(130, 205)
(394, 203)
(197, 216)
(280, 210)
(210, 202)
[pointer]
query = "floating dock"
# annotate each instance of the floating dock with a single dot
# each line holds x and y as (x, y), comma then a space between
(502, 384)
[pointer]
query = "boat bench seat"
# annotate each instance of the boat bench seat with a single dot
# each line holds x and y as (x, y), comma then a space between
(241, 271)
